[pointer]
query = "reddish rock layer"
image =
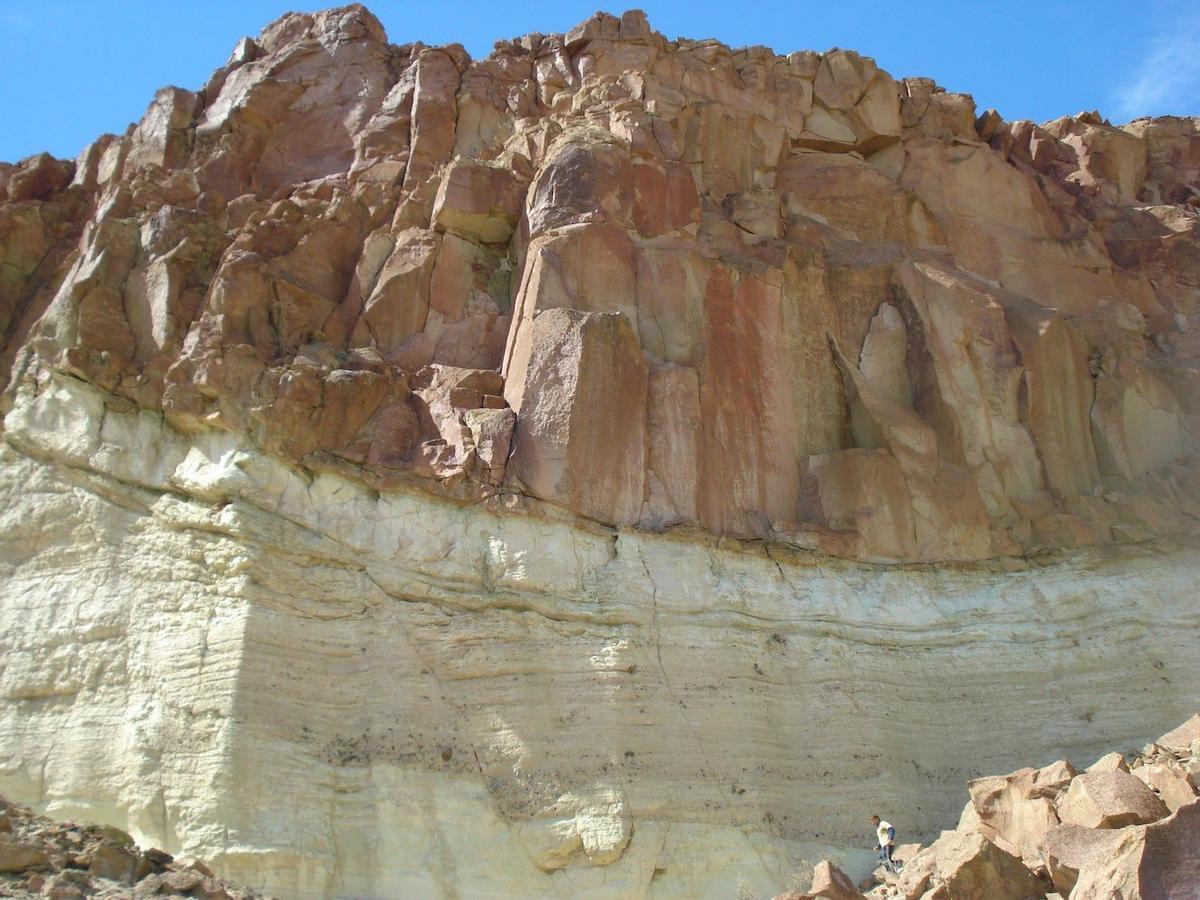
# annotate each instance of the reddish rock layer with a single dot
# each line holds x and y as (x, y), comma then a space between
(769, 296)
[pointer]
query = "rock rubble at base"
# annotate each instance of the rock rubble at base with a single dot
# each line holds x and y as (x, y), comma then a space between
(41, 857)
(1054, 832)
(853, 316)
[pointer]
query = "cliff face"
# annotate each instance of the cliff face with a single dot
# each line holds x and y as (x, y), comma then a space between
(612, 465)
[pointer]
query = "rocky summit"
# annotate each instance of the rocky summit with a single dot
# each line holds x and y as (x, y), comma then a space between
(613, 468)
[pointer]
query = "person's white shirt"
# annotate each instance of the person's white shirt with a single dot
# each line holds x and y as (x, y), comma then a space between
(882, 833)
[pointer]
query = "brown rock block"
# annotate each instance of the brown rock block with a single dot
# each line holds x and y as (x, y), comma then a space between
(17, 855)
(491, 432)
(750, 399)
(664, 197)
(670, 283)
(1059, 393)
(977, 382)
(1110, 799)
(465, 398)
(830, 883)
(1156, 862)
(399, 303)
(968, 867)
(434, 115)
(1170, 781)
(1183, 737)
(1018, 808)
(948, 515)
(582, 181)
(113, 862)
(580, 440)
(1066, 849)
(588, 267)
(37, 177)
(927, 110)
(479, 202)
(862, 491)
(850, 193)
(161, 138)
(1109, 762)
(1137, 423)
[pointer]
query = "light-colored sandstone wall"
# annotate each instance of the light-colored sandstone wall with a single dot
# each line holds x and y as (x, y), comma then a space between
(329, 690)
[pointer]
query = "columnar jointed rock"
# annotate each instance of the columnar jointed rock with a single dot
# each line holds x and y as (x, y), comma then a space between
(1026, 298)
(346, 395)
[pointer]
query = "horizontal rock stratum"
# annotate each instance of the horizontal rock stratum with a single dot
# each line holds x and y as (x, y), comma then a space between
(610, 466)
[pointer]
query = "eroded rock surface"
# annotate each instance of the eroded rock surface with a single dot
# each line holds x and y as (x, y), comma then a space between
(426, 476)
(282, 252)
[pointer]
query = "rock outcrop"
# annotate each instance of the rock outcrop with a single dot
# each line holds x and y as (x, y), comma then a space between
(608, 466)
(844, 313)
(1136, 850)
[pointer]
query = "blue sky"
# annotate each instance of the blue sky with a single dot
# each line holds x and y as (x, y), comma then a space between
(71, 70)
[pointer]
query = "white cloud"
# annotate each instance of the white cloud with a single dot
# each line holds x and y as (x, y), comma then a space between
(1167, 81)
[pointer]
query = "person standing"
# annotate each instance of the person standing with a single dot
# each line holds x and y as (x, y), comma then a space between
(885, 836)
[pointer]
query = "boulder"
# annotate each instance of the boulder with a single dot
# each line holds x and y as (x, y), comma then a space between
(1160, 861)
(1016, 810)
(112, 861)
(1183, 737)
(17, 855)
(1170, 781)
(968, 867)
(1065, 849)
(1110, 799)
(1109, 762)
(38, 177)
(830, 883)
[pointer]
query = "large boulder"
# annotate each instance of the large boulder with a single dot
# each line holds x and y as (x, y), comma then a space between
(968, 867)
(828, 883)
(17, 855)
(1110, 799)
(1183, 737)
(1065, 849)
(1017, 810)
(1153, 862)
(1170, 781)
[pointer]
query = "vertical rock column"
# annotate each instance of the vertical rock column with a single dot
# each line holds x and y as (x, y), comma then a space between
(581, 409)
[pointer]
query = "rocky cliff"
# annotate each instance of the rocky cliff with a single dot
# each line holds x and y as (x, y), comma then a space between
(604, 468)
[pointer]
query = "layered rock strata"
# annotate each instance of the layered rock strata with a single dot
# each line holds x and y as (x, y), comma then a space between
(608, 466)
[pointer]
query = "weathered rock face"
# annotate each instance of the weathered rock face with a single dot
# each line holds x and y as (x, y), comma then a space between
(332, 213)
(421, 474)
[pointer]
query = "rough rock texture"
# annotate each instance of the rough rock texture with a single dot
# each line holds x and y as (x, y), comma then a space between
(1138, 852)
(43, 858)
(608, 466)
(848, 316)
